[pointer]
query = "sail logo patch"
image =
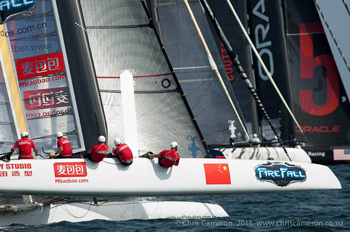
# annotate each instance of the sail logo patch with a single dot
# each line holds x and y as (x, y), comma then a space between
(40, 65)
(46, 98)
(70, 169)
(10, 8)
(281, 174)
(192, 147)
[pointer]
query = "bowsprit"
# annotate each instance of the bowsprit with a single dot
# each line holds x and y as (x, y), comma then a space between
(10, 8)
(281, 174)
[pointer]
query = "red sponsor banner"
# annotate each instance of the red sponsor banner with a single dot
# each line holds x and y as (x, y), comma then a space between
(67, 169)
(40, 65)
(217, 174)
(46, 98)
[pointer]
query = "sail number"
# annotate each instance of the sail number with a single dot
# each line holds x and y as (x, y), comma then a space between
(308, 64)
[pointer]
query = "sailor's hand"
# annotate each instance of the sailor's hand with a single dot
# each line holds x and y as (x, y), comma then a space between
(145, 155)
(7, 157)
(37, 154)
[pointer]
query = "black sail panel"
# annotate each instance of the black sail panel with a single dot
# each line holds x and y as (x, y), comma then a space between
(201, 86)
(267, 33)
(315, 82)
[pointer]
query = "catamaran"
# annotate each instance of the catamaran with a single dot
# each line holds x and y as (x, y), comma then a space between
(62, 70)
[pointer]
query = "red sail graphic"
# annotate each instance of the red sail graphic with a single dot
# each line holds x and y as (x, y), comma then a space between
(40, 65)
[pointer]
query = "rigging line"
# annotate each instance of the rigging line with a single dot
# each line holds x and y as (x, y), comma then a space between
(67, 210)
(213, 66)
(332, 35)
(264, 66)
(346, 7)
(235, 60)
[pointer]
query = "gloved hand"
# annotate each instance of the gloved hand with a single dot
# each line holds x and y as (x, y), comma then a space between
(146, 155)
(7, 157)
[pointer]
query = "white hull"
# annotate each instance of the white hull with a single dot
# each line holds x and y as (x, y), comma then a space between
(265, 153)
(36, 214)
(147, 178)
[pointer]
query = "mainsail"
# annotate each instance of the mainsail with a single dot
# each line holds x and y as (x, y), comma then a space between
(267, 32)
(41, 73)
(121, 38)
(241, 47)
(193, 68)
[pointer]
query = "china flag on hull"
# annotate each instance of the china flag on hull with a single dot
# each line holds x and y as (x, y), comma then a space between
(217, 174)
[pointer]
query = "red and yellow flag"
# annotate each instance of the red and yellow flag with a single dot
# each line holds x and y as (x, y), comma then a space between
(217, 174)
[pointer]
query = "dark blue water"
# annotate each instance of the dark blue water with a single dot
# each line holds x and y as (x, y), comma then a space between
(298, 211)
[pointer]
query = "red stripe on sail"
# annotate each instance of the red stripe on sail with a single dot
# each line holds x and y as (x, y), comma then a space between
(155, 75)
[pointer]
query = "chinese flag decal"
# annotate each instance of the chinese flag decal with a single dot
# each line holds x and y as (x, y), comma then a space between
(217, 174)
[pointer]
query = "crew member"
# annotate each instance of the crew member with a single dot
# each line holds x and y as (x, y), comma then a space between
(25, 146)
(98, 152)
(168, 158)
(122, 152)
(63, 145)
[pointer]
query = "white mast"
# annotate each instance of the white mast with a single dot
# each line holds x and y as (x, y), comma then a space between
(129, 112)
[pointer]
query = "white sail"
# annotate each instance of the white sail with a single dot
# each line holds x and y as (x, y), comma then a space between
(38, 65)
(121, 39)
(332, 13)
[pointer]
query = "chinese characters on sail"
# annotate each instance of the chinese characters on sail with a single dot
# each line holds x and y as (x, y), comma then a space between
(40, 65)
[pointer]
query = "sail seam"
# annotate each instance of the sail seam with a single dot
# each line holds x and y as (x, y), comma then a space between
(117, 27)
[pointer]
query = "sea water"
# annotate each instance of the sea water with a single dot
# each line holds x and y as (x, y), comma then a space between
(293, 211)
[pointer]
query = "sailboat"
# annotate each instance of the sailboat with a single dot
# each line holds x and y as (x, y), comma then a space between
(116, 46)
(44, 81)
(288, 34)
